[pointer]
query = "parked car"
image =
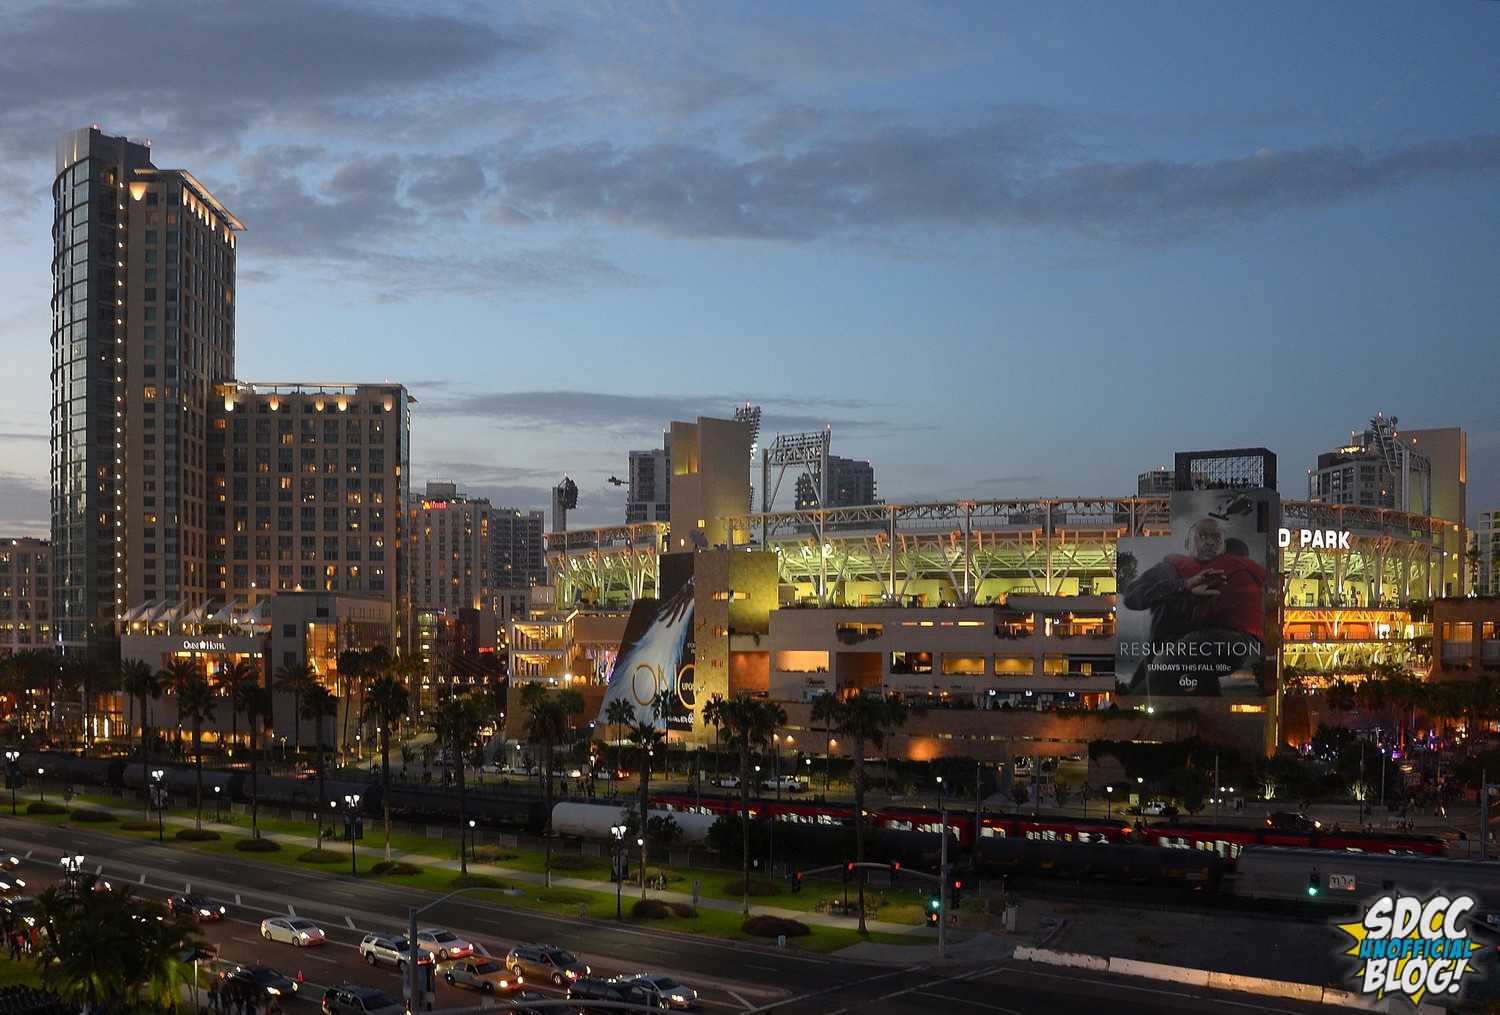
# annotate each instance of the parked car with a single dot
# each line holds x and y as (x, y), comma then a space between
(1291, 821)
(348, 999)
(444, 944)
(544, 962)
(1153, 808)
(662, 991)
(728, 782)
(196, 906)
(786, 783)
(292, 931)
(587, 988)
(260, 981)
(482, 974)
(390, 950)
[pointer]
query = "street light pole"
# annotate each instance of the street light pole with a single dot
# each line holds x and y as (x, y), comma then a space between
(12, 775)
(618, 831)
(1109, 799)
(41, 790)
(352, 800)
(158, 795)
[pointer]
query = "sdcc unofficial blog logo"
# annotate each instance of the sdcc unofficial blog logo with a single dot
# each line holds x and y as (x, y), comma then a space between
(1413, 947)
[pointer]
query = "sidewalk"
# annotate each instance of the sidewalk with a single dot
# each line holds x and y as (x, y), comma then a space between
(534, 878)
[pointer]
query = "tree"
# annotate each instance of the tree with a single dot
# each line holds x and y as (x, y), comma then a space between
(645, 738)
(825, 714)
(195, 703)
(620, 713)
(547, 725)
(713, 715)
(748, 725)
(353, 668)
(386, 702)
(233, 676)
(140, 683)
(459, 719)
(255, 701)
(318, 705)
(867, 720)
(295, 679)
(104, 950)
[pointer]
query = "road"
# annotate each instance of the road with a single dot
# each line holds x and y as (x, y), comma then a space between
(729, 976)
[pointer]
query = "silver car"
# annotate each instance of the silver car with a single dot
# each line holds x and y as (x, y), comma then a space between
(390, 950)
(292, 931)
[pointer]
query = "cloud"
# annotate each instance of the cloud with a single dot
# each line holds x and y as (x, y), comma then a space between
(1018, 168)
(221, 66)
(1009, 480)
(23, 506)
(17, 436)
(562, 409)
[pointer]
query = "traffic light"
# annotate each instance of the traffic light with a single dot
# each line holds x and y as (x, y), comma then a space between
(848, 870)
(934, 911)
(796, 882)
(1314, 882)
(895, 872)
(955, 893)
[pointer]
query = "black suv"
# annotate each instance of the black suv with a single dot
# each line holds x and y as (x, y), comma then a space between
(588, 988)
(259, 982)
(352, 1000)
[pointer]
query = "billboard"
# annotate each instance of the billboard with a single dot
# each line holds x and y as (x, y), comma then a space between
(1196, 610)
(656, 659)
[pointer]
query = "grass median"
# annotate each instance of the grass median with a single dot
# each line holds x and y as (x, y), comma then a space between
(559, 900)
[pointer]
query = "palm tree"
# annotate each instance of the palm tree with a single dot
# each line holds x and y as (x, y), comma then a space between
(825, 713)
(386, 702)
(748, 725)
(317, 705)
(195, 703)
(619, 713)
(255, 701)
(233, 676)
(458, 724)
(713, 715)
(295, 679)
(867, 720)
(646, 738)
(141, 682)
(549, 723)
(353, 668)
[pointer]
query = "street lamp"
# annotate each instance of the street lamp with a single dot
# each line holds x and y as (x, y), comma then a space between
(218, 811)
(41, 791)
(618, 831)
(352, 799)
(641, 842)
(470, 844)
(159, 798)
(940, 792)
(13, 774)
(73, 865)
(1109, 798)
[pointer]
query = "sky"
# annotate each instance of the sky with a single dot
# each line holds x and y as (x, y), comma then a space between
(1002, 249)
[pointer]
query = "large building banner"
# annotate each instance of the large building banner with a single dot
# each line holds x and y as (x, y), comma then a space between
(1196, 610)
(654, 668)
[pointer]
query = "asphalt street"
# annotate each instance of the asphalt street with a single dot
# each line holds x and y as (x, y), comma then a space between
(729, 976)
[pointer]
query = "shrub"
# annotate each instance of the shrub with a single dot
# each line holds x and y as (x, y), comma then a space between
(258, 846)
(774, 926)
(683, 910)
(138, 825)
(197, 835)
(91, 816)
(650, 909)
(45, 807)
(321, 856)
(493, 854)
(569, 862)
(394, 869)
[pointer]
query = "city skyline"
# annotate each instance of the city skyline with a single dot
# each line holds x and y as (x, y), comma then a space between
(984, 249)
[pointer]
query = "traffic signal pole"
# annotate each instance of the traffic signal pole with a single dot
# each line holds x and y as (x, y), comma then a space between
(943, 892)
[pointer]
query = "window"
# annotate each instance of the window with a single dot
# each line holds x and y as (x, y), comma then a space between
(911, 662)
(955, 664)
(802, 661)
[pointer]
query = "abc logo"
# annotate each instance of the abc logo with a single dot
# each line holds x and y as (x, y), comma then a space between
(1187, 683)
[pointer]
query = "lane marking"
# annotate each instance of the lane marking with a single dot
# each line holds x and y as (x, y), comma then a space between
(350, 921)
(237, 901)
(738, 998)
(143, 879)
(291, 911)
(968, 1003)
(834, 989)
(1116, 985)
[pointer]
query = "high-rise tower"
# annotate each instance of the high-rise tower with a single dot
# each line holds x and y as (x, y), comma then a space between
(143, 274)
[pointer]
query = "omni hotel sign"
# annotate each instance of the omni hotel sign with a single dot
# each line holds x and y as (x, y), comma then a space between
(1317, 539)
(203, 645)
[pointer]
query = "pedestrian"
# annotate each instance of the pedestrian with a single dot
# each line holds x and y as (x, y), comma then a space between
(15, 947)
(213, 996)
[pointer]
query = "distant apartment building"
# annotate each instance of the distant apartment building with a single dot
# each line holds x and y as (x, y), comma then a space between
(451, 550)
(518, 551)
(1487, 552)
(309, 485)
(25, 595)
(850, 483)
(1155, 483)
(648, 497)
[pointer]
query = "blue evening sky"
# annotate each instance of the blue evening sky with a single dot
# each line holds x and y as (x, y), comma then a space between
(1003, 249)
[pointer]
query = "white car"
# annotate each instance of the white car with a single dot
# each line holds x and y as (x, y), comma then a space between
(729, 782)
(443, 944)
(292, 931)
(786, 783)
